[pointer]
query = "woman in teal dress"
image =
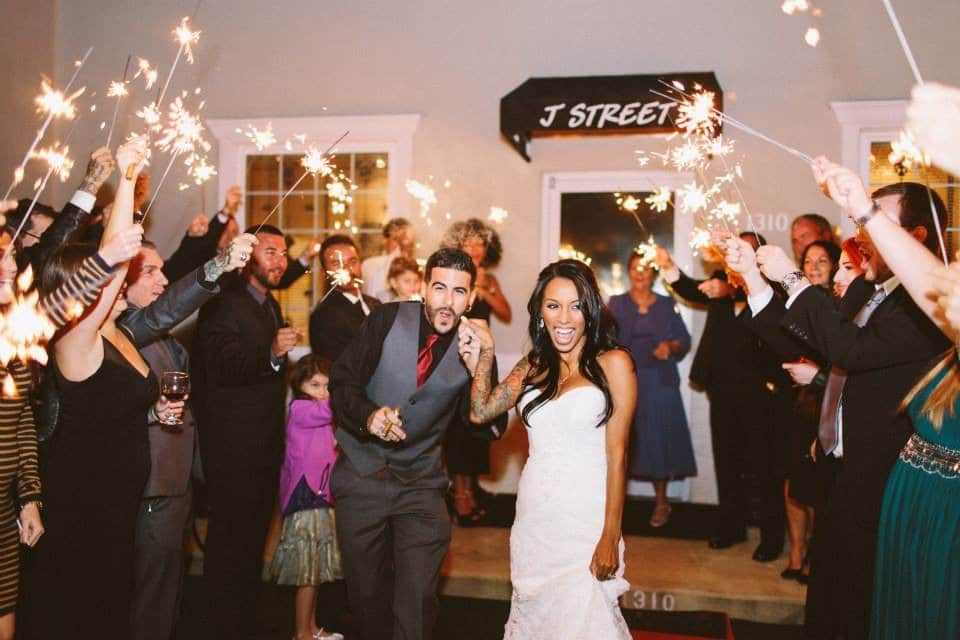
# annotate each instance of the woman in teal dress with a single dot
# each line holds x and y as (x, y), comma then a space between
(917, 575)
(917, 583)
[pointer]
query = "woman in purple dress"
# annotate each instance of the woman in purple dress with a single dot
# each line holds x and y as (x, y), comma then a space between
(651, 327)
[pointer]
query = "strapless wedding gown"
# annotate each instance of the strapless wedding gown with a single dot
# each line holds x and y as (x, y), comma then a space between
(560, 511)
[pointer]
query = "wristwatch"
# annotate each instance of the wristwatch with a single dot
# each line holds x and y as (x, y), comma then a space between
(864, 218)
(792, 279)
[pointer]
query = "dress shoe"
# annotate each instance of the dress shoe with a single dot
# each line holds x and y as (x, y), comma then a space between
(767, 552)
(722, 541)
(660, 516)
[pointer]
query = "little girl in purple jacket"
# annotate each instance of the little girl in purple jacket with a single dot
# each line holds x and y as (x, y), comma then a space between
(308, 553)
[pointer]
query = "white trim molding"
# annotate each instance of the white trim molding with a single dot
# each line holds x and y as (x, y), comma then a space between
(863, 122)
(390, 134)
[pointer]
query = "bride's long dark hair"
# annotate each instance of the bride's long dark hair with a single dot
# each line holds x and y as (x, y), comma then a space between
(600, 335)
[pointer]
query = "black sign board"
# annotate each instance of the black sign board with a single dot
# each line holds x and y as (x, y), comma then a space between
(595, 105)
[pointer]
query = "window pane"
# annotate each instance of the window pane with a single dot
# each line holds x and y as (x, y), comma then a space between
(370, 210)
(370, 171)
(370, 244)
(292, 171)
(298, 212)
(262, 173)
(297, 301)
(258, 207)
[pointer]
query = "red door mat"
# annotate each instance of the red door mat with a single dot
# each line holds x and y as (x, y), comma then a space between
(678, 625)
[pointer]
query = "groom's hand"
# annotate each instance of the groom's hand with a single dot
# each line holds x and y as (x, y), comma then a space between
(385, 423)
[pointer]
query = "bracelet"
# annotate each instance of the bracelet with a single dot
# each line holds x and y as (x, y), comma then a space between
(864, 218)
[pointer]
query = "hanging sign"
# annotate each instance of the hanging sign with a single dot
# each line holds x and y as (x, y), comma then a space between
(595, 105)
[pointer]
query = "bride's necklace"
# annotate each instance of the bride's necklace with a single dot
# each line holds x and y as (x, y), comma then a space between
(563, 379)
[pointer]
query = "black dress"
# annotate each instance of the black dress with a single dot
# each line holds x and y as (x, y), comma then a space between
(94, 468)
(467, 447)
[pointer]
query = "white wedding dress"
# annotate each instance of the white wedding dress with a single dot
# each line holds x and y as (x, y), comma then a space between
(560, 512)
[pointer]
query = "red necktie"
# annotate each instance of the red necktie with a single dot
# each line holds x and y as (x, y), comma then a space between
(425, 359)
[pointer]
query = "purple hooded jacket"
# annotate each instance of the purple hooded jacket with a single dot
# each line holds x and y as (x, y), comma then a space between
(311, 449)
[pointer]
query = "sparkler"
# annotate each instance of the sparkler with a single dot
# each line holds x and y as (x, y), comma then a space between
(568, 252)
(260, 138)
(57, 160)
(647, 253)
(117, 90)
(24, 327)
(18, 172)
(187, 39)
(183, 135)
(339, 277)
(315, 163)
(699, 239)
(903, 41)
(425, 196)
(149, 73)
(727, 119)
(497, 215)
(659, 199)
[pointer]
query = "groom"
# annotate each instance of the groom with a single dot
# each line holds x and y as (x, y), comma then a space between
(394, 391)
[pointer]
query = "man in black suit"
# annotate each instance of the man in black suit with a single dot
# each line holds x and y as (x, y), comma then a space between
(750, 399)
(239, 358)
(337, 318)
(877, 357)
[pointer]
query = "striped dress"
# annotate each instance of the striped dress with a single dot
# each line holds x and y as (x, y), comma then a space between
(19, 473)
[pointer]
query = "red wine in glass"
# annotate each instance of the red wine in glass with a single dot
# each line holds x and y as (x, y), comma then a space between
(175, 385)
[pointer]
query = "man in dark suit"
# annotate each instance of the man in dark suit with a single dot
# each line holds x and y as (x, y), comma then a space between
(165, 507)
(337, 318)
(750, 397)
(240, 353)
(394, 391)
(877, 357)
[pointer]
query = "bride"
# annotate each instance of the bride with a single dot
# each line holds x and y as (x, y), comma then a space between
(575, 391)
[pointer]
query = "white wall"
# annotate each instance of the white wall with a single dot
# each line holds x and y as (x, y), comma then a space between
(452, 61)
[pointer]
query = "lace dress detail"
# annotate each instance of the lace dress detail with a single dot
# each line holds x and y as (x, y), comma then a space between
(560, 511)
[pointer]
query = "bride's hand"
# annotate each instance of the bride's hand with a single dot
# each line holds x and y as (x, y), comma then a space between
(606, 558)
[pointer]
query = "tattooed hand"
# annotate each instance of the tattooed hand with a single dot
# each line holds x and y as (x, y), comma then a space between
(233, 256)
(99, 168)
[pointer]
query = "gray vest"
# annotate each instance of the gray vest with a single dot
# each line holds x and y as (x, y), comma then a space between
(426, 412)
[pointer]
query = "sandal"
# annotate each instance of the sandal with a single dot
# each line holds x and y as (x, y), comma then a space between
(661, 514)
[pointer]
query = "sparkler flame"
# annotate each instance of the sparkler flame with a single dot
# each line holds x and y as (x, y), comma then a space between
(316, 162)
(627, 202)
(53, 102)
(694, 197)
(659, 199)
(699, 239)
(568, 252)
(696, 115)
(905, 153)
(200, 171)
(57, 160)
(261, 138)
(186, 38)
(149, 73)
(812, 36)
(790, 7)
(647, 252)
(117, 89)
(24, 327)
(498, 215)
(184, 131)
(424, 195)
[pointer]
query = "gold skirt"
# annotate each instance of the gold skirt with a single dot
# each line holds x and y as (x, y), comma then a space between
(308, 553)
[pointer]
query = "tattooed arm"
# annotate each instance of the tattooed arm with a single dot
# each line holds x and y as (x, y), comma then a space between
(486, 400)
(233, 256)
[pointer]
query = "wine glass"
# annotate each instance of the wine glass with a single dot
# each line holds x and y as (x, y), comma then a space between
(175, 385)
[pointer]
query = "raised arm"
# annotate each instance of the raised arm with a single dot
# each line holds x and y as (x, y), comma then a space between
(618, 370)
(904, 254)
(79, 351)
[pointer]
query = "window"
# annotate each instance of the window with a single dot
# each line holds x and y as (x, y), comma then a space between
(376, 155)
(318, 207)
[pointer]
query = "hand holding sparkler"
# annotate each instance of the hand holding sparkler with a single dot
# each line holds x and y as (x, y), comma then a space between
(473, 336)
(99, 168)
(843, 186)
(122, 246)
(233, 200)
(233, 256)
(385, 423)
(933, 118)
(285, 340)
(131, 157)
(739, 255)
(664, 263)
(775, 263)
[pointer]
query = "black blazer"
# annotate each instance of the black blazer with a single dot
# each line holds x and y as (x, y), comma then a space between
(239, 397)
(883, 361)
(335, 322)
(728, 352)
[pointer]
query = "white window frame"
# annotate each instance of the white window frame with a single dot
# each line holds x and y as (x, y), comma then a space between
(388, 134)
(554, 185)
(863, 122)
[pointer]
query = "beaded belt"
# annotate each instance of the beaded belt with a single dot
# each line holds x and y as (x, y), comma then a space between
(931, 457)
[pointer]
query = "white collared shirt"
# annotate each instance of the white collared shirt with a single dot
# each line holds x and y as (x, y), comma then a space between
(355, 299)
